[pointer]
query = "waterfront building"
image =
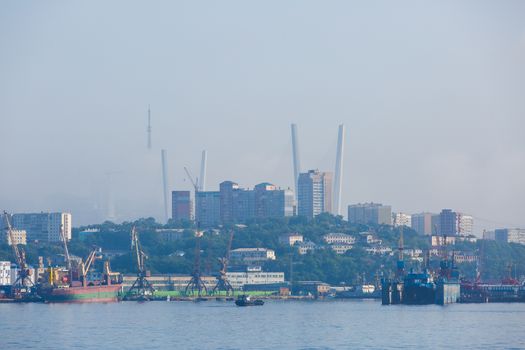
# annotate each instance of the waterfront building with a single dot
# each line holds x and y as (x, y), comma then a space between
(314, 193)
(402, 219)
(510, 235)
(48, 227)
(208, 208)
(290, 239)
(252, 255)
(253, 276)
(422, 223)
(19, 237)
(181, 206)
(370, 213)
(5, 273)
(338, 238)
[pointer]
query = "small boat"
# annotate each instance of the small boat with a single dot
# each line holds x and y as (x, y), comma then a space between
(245, 300)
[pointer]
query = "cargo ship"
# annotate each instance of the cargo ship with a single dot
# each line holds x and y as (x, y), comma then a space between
(509, 290)
(70, 285)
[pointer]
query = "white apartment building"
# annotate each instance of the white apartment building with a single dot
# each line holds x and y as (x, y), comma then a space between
(402, 219)
(338, 238)
(290, 239)
(340, 248)
(465, 224)
(59, 225)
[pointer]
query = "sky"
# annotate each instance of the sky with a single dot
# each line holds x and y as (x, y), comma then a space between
(432, 95)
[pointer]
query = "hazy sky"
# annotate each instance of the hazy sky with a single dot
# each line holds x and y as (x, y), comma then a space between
(432, 95)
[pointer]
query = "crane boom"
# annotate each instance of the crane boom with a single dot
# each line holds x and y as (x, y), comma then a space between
(194, 182)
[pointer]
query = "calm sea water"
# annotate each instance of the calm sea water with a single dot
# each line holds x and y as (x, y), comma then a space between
(276, 325)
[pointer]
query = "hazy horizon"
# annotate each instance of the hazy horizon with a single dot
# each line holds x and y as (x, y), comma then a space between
(431, 94)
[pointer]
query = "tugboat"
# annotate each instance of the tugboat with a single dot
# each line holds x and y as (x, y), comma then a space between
(245, 300)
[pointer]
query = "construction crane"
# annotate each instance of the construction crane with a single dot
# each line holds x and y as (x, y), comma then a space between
(222, 280)
(141, 286)
(194, 182)
(23, 285)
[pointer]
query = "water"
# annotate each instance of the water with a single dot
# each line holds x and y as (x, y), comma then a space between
(276, 325)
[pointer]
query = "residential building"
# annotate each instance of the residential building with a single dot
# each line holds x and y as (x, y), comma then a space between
(422, 223)
(181, 206)
(379, 250)
(436, 224)
(290, 239)
(447, 221)
(370, 213)
(19, 237)
(50, 227)
(314, 193)
(464, 225)
(510, 235)
(436, 241)
(305, 247)
(338, 238)
(402, 219)
(340, 248)
(252, 255)
(489, 235)
(273, 202)
(208, 208)
(170, 234)
(59, 226)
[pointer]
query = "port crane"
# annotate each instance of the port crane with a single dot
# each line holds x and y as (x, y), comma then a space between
(196, 284)
(141, 286)
(222, 280)
(85, 266)
(23, 285)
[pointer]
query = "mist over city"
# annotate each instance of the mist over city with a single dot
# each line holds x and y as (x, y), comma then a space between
(431, 97)
(297, 174)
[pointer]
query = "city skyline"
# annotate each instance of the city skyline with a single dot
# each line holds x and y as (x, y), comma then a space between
(433, 117)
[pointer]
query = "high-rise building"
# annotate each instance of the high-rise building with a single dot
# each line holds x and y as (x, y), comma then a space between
(272, 202)
(402, 219)
(59, 226)
(422, 223)
(510, 235)
(19, 237)
(314, 193)
(447, 222)
(370, 213)
(226, 190)
(465, 224)
(208, 208)
(181, 205)
(49, 227)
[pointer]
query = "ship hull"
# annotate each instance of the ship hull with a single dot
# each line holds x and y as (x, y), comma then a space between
(89, 294)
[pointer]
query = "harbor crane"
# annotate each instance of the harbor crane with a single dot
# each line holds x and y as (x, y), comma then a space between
(141, 288)
(23, 286)
(222, 280)
(85, 266)
(196, 284)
